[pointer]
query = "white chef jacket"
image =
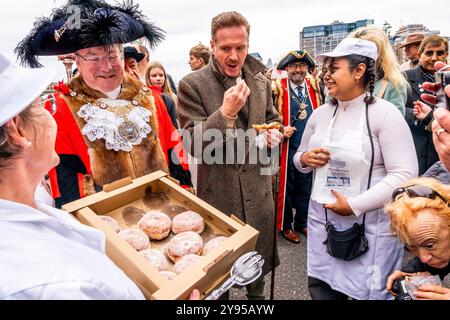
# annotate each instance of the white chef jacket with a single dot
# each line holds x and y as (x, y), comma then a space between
(47, 254)
(395, 162)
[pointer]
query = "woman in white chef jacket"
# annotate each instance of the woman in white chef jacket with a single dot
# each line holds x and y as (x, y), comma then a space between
(340, 130)
(44, 252)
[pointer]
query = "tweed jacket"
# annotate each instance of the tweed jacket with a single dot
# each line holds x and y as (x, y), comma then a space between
(242, 188)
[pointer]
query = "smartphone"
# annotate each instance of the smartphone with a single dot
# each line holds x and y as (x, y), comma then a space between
(442, 78)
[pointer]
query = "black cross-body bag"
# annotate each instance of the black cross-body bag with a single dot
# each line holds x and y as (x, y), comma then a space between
(352, 243)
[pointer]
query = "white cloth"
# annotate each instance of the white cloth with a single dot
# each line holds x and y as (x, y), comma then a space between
(41, 195)
(114, 94)
(347, 167)
(395, 162)
(47, 254)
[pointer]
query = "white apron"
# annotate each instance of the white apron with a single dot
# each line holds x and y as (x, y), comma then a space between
(347, 168)
(365, 277)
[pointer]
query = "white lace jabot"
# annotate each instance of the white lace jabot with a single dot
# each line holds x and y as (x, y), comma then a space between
(122, 124)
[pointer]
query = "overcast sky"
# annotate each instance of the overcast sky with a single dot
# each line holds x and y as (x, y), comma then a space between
(275, 24)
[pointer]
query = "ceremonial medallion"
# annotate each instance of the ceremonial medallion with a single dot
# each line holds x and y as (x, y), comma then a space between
(303, 114)
(128, 131)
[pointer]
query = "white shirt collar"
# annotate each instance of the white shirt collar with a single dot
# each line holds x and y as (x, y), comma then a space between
(13, 211)
(294, 87)
(358, 101)
(114, 94)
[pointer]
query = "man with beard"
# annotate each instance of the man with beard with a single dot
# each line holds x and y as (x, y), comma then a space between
(299, 101)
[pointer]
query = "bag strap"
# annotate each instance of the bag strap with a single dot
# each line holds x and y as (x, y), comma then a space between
(371, 161)
(384, 84)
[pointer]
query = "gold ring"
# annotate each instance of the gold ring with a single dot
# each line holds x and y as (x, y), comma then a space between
(440, 131)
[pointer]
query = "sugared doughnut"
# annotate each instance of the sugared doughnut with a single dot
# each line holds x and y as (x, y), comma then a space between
(136, 238)
(111, 222)
(155, 224)
(169, 275)
(185, 262)
(156, 258)
(213, 244)
(188, 221)
(183, 244)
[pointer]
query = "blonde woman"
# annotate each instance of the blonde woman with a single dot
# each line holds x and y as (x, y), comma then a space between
(391, 85)
(156, 76)
(420, 216)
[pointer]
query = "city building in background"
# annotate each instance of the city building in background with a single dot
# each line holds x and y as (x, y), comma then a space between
(399, 37)
(324, 38)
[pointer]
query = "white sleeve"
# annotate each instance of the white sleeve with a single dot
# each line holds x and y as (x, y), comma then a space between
(67, 290)
(309, 130)
(400, 161)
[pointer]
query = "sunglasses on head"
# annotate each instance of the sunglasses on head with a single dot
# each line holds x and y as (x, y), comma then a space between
(416, 191)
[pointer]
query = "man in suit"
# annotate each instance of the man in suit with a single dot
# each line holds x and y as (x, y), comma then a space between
(299, 101)
(432, 49)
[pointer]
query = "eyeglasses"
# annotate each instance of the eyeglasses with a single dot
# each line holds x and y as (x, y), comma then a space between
(97, 59)
(439, 53)
(52, 108)
(297, 65)
(417, 191)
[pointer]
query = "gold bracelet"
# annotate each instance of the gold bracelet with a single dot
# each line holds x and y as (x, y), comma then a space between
(228, 117)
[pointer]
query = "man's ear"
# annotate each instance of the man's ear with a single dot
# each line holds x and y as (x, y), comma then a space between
(213, 46)
(16, 133)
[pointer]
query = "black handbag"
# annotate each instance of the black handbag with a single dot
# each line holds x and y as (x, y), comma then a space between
(346, 245)
(349, 244)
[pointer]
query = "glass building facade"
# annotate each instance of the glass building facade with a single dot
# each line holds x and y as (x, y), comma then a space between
(324, 38)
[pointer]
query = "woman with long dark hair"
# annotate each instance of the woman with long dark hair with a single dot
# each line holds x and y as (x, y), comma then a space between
(360, 149)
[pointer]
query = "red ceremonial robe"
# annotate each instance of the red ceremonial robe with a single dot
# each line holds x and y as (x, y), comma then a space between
(286, 114)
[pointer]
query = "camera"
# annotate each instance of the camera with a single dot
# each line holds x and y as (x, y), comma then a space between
(399, 288)
(442, 78)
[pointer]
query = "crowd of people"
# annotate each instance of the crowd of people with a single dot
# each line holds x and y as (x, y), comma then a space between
(353, 132)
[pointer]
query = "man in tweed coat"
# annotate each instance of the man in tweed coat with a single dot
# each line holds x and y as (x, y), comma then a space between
(225, 99)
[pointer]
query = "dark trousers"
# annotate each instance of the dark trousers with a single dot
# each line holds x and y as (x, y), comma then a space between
(298, 192)
(320, 290)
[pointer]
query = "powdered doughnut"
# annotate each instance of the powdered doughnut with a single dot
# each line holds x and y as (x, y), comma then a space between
(183, 244)
(185, 262)
(213, 244)
(155, 224)
(131, 215)
(169, 275)
(136, 238)
(156, 258)
(111, 222)
(188, 221)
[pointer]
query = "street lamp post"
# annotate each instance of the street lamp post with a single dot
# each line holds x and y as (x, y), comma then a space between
(387, 29)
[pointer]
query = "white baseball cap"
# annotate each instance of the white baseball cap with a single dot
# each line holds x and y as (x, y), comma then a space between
(350, 46)
(19, 87)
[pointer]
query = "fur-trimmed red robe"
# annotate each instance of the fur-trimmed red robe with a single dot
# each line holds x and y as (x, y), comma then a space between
(286, 120)
(85, 164)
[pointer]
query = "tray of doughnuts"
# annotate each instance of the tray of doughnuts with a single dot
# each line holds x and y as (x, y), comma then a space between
(164, 238)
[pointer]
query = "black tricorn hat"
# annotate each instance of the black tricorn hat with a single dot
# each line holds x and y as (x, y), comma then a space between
(83, 24)
(131, 52)
(296, 56)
